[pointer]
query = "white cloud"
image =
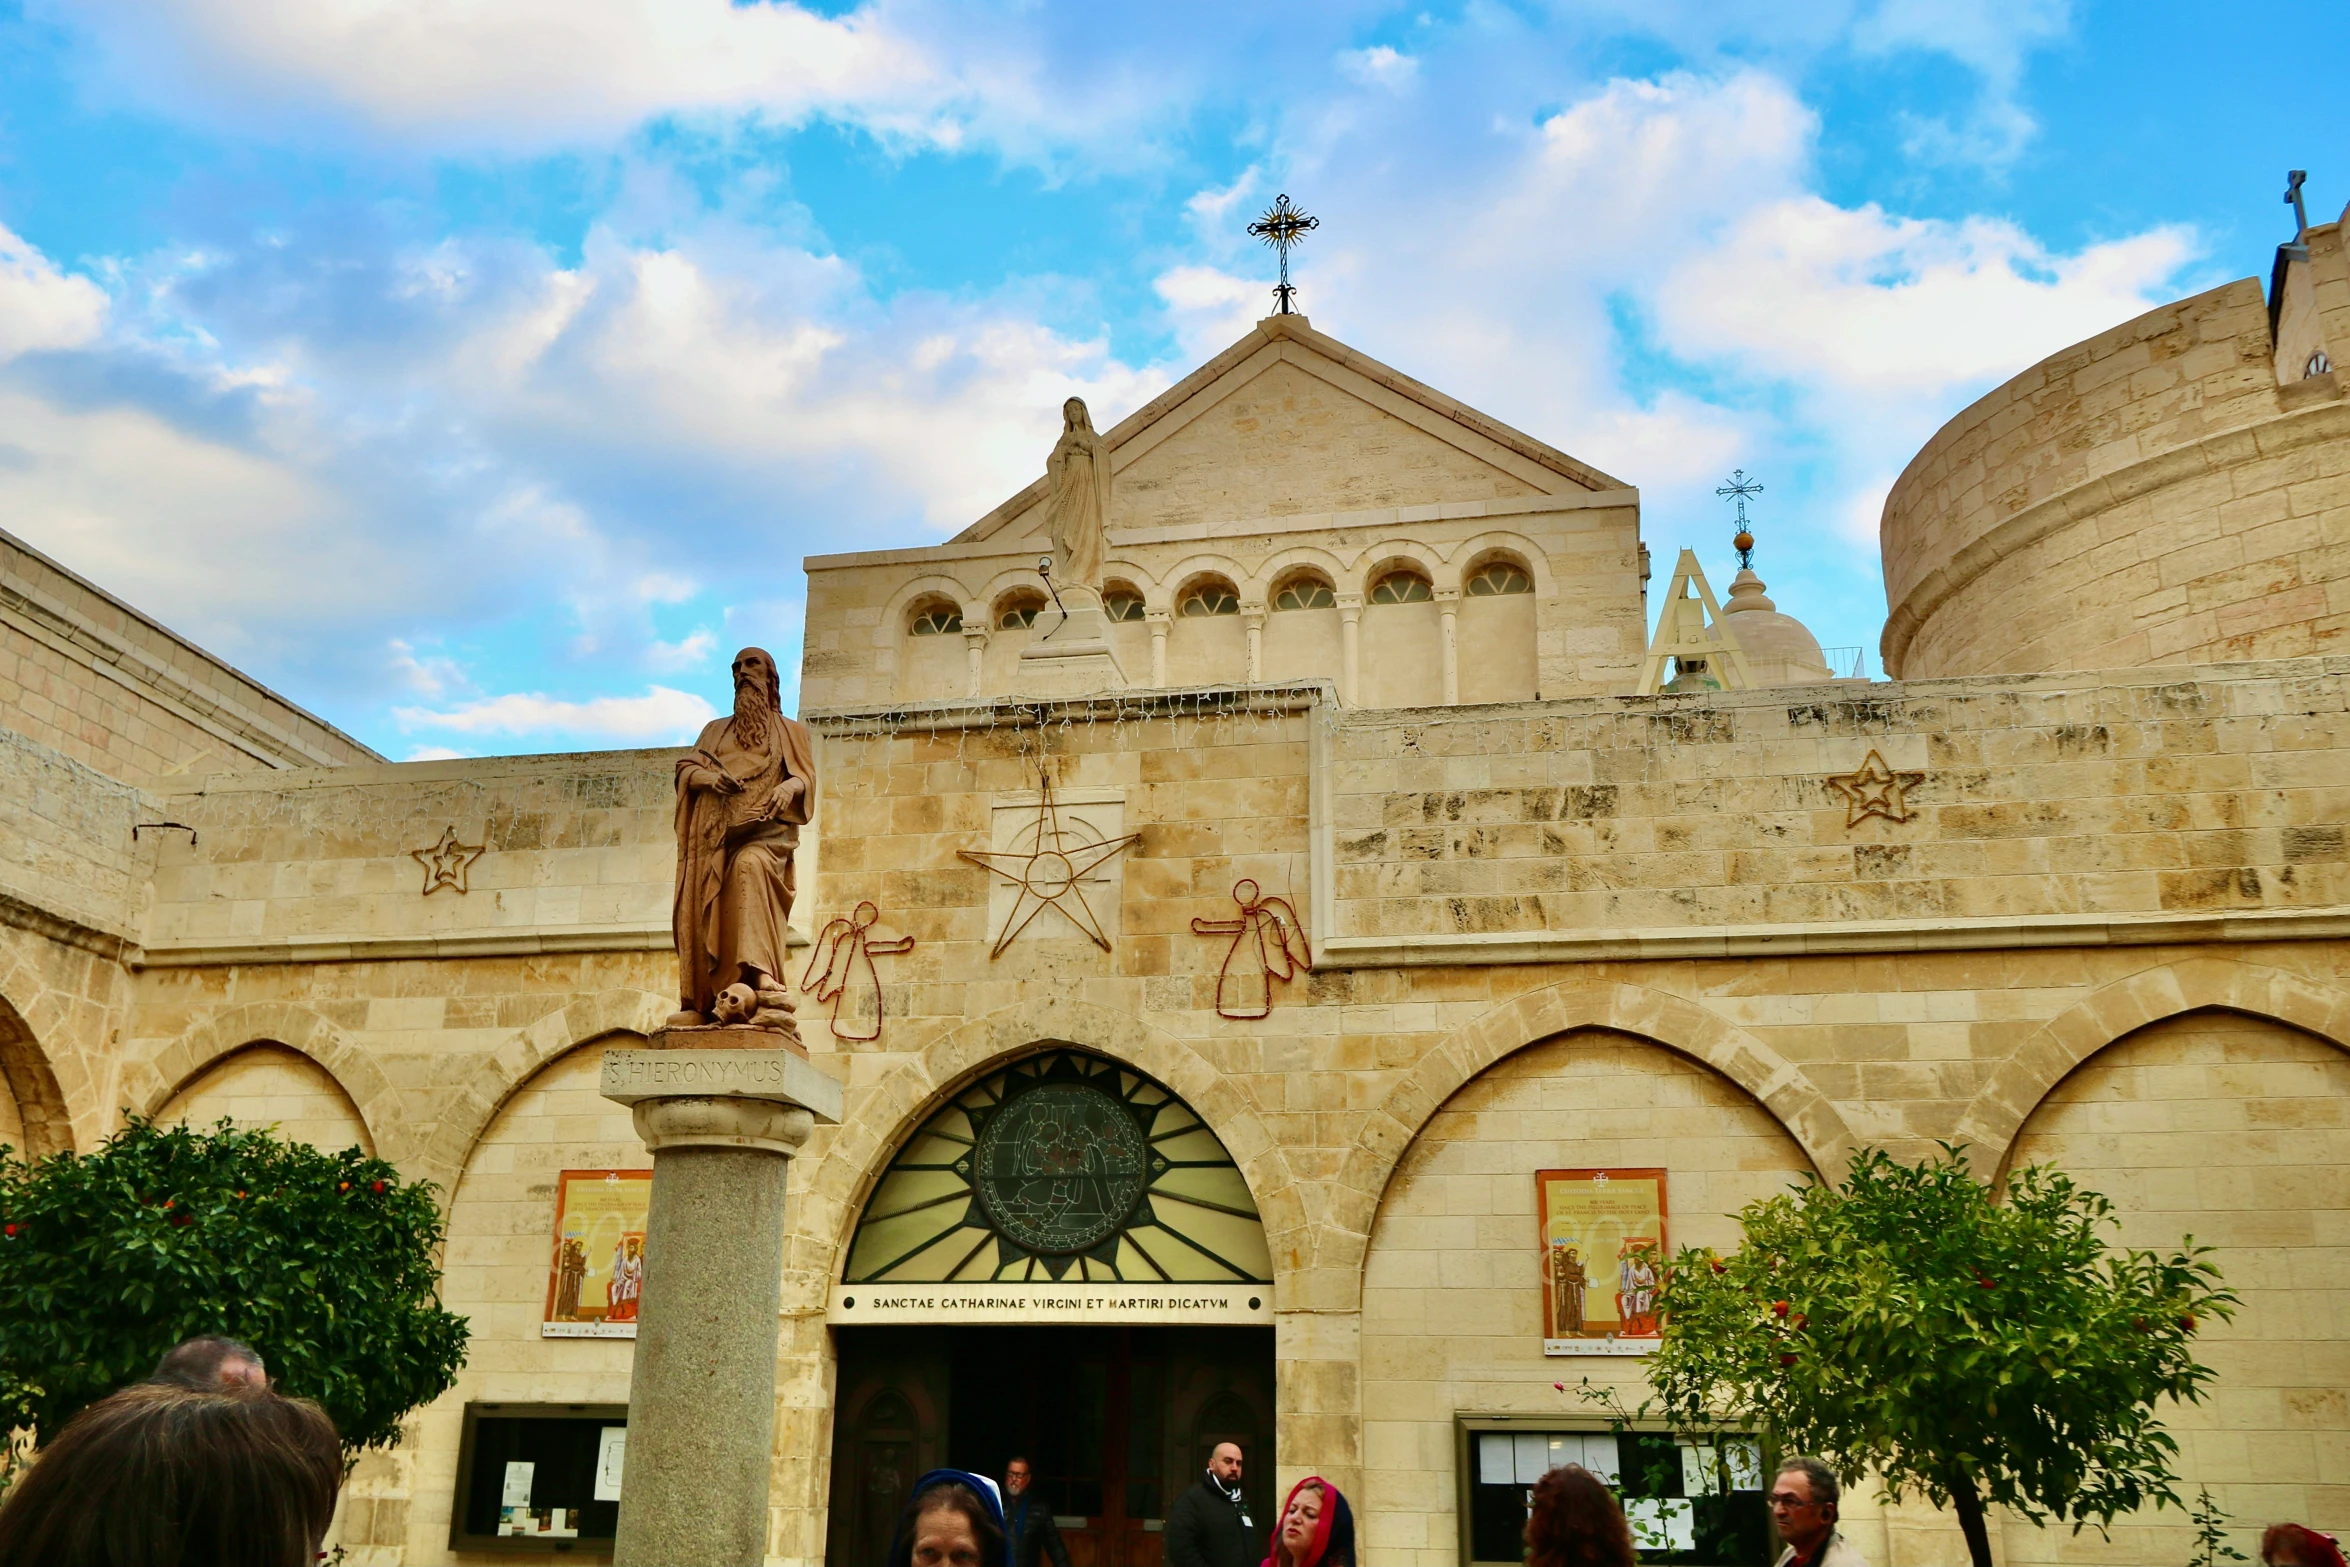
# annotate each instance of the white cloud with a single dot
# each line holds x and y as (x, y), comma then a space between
(690, 652)
(515, 73)
(40, 306)
(1803, 290)
(661, 716)
(433, 753)
(1378, 67)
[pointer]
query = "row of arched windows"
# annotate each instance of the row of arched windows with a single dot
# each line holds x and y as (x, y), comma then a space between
(1213, 595)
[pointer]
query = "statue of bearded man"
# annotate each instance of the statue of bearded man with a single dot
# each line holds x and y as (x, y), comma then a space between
(743, 794)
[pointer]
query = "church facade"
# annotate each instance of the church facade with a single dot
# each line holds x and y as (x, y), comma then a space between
(1365, 891)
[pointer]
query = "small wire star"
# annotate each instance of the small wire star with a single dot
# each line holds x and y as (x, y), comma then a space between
(1873, 789)
(446, 862)
(1049, 874)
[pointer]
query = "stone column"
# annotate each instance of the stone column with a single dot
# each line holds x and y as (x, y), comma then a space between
(1254, 615)
(975, 654)
(722, 1124)
(1448, 609)
(1158, 625)
(1350, 643)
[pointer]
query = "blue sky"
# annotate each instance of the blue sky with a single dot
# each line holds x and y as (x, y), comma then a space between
(477, 372)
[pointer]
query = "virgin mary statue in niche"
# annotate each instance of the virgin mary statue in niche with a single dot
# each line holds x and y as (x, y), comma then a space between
(1079, 471)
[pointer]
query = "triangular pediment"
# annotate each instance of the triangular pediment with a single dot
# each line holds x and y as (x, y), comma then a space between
(1288, 422)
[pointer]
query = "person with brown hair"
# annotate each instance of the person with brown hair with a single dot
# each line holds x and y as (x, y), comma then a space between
(1575, 1522)
(159, 1475)
(2297, 1545)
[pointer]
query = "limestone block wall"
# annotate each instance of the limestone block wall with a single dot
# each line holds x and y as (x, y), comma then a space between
(557, 851)
(2096, 805)
(1452, 1288)
(2150, 496)
(85, 673)
(73, 870)
(73, 899)
(2235, 1130)
(2184, 827)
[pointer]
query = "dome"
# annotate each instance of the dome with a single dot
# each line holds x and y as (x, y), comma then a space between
(1779, 651)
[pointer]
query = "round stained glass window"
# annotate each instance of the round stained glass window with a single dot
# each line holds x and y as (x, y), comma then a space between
(1060, 1167)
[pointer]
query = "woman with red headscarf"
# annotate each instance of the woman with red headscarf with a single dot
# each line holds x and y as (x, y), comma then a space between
(1317, 1528)
(2292, 1545)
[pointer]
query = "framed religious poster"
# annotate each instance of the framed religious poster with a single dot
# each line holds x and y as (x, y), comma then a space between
(1599, 1282)
(596, 1273)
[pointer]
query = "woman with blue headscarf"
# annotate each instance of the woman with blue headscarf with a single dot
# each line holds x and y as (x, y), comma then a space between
(953, 1519)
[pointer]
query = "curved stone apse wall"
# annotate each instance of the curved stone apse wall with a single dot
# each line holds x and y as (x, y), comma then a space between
(2148, 497)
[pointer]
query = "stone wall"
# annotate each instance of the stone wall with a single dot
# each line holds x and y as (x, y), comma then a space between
(1425, 1068)
(2150, 496)
(85, 673)
(2103, 805)
(548, 853)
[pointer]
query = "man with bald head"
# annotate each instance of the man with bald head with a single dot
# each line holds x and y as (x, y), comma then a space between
(1209, 1525)
(743, 794)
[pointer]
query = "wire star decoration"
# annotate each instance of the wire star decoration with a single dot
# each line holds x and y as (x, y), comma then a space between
(1873, 789)
(446, 862)
(1048, 875)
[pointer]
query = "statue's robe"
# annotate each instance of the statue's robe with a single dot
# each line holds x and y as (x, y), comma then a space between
(1079, 508)
(734, 866)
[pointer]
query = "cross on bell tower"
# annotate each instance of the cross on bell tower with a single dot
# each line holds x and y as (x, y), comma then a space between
(1740, 487)
(1283, 226)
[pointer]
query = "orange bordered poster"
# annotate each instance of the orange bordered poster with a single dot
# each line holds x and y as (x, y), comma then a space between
(596, 1275)
(1598, 1288)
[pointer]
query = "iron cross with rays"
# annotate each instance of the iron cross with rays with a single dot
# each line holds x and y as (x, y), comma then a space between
(1740, 487)
(1282, 226)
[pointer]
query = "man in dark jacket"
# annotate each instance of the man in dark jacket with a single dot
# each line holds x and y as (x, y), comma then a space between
(1209, 1525)
(1029, 1531)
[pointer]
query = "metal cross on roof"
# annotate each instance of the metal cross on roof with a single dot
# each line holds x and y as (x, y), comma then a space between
(1282, 226)
(1740, 487)
(2293, 182)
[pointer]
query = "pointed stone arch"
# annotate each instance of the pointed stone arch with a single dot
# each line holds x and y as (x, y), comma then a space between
(1996, 1115)
(1658, 1017)
(148, 1086)
(849, 1159)
(31, 1083)
(469, 1111)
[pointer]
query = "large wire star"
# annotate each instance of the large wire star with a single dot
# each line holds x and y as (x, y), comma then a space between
(1049, 874)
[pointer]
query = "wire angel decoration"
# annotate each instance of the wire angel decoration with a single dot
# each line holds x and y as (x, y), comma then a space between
(844, 953)
(1268, 943)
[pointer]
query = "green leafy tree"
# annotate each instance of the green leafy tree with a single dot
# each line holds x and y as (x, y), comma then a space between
(326, 1263)
(1976, 1351)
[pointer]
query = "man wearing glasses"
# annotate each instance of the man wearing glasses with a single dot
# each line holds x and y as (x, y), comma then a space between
(1803, 1506)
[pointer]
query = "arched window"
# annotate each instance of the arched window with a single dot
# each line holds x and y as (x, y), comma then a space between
(1121, 602)
(1212, 597)
(1061, 1166)
(1498, 577)
(1401, 586)
(1018, 611)
(934, 618)
(1305, 592)
(2318, 364)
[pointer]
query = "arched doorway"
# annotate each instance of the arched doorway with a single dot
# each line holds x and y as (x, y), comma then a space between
(1045, 1243)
